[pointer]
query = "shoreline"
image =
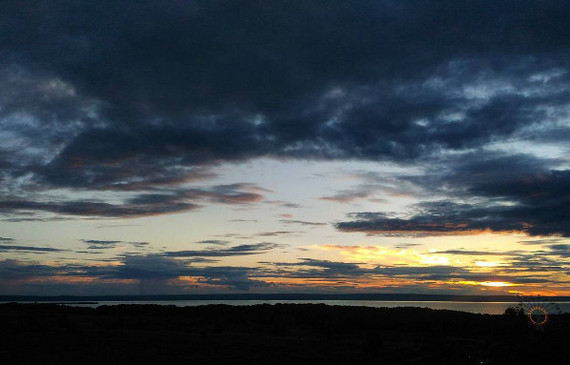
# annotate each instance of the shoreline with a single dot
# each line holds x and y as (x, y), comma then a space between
(292, 296)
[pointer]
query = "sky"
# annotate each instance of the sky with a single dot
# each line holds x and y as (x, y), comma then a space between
(185, 147)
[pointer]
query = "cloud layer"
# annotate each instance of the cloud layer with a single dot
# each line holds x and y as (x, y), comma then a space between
(141, 94)
(490, 193)
(136, 109)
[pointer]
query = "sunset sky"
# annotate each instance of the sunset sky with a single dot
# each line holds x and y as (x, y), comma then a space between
(172, 147)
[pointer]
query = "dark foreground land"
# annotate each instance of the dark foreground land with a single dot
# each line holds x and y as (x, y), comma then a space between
(272, 334)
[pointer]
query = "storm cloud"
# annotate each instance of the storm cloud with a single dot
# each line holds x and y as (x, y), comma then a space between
(138, 94)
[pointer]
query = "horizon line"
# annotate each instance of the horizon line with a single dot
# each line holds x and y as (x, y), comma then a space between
(282, 296)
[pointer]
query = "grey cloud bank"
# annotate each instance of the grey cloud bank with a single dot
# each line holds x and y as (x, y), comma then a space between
(136, 109)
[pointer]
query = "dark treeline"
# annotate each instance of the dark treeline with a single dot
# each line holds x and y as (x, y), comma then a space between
(272, 334)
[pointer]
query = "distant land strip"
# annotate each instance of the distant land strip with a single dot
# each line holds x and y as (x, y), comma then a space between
(288, 296)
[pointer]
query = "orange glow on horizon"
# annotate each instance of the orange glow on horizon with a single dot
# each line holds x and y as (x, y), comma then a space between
(495, 284)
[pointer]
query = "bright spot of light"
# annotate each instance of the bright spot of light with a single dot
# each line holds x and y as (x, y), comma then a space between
(496, 283)
(434, 260)
(487, 263)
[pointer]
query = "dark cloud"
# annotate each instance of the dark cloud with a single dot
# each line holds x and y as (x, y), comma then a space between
(149, 270)
(447, 218)
(241, 250)
(143, 99)
(348, 196)
(239, 193)
(6, 239)
(258, 234)
(239, 278)
(105, 244)
(273, 233)
(147, 267)
(214, 242)
(562, 250)
(99, 244)
(332, 269)
(486, 192)
(537, 261)
(311, 268)
(406, 245)
(36, 219)
(544, 241)
(144, 204)
(153, 271)
(234, 235)
(136, 208)
(520, 280)
(324, 264)
(158, 267)
(134, 95)
(11, 269)
(29, 249)
(328, 269)
(303, 223)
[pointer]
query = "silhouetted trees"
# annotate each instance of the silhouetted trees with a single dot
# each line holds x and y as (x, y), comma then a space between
(270, 334)
(514, 311)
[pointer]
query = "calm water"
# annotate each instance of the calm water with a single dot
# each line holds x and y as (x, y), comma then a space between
(473, 307)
